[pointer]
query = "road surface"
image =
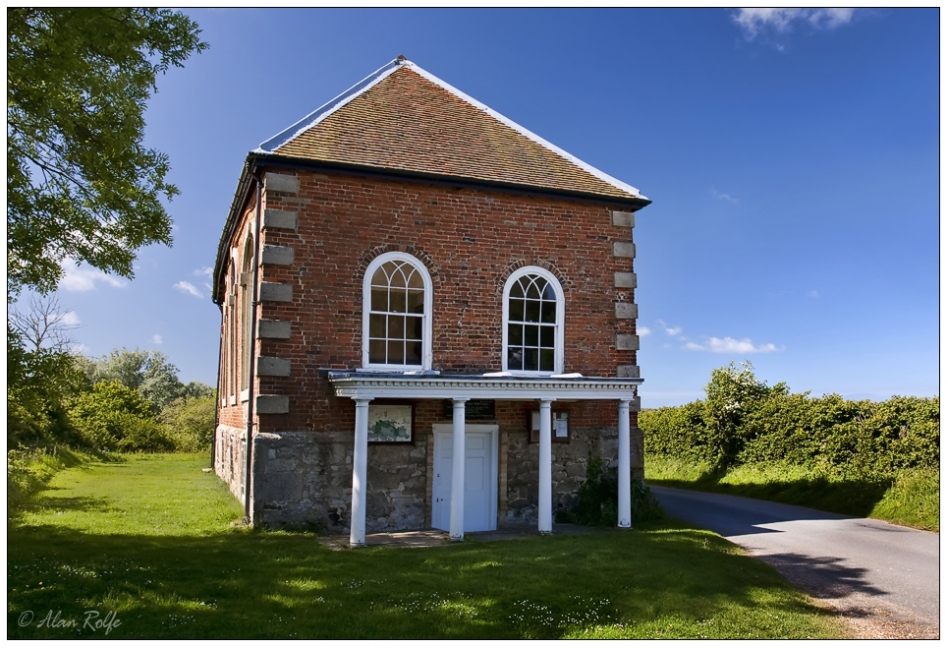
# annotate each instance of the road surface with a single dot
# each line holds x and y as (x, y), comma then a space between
(857, 565)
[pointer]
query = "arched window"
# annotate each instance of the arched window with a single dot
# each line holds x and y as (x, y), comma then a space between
(534, 307)
(232, 332)
(246, 278)
(396, 314)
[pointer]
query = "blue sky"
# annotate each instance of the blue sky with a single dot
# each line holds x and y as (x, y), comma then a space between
(792, 158)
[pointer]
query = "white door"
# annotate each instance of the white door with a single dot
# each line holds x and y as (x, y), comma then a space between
(480, 477)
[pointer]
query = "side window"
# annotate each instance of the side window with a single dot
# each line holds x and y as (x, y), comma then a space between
(396, 314)
(246, 279)
(534, 307)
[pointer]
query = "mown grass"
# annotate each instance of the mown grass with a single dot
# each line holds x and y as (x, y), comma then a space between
(912, 499)
(150, 541)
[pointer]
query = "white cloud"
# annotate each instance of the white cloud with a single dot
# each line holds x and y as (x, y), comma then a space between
(730, 345)
(79, 349)
(204, 272)
(758, 23)
(723, 196)
(814, 294)
(83, 279)
(157, 339)
(643, 330)
(674, 331)
(189, 288)
(70, 319)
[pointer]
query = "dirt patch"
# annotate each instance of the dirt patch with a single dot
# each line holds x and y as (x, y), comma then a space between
(873, 622)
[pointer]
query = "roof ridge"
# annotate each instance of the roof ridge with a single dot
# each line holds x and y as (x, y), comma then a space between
(312, 119)
(605, 177)
(328, 108)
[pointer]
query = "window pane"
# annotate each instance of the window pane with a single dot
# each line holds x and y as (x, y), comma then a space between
(413, 331)
(396, 352)
(530, 360)
(415, 280)
(548, 312)
(416, 301)
(379, 299)
(377, 326)
(531, 335)
(532, 290)
(414, 353)
(516, 310)
(532, 311)
(515, 334)
(398, 274)
(546, 337)
(546, 359)
(548, 293)
(516, 290)
(514, 358)
(396, 301)
(380, 278)
(377, 351)
(396, 327)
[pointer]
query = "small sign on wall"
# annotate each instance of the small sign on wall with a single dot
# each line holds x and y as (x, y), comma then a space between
(559, 423)
(390, 423)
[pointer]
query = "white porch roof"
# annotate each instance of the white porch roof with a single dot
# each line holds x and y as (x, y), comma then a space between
(370, 385)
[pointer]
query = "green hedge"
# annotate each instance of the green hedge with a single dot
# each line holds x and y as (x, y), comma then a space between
(752, 423)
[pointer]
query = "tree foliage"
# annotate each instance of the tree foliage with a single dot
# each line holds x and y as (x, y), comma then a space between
(39, 383)
(147, 372)
(80, 183)
(190, 422)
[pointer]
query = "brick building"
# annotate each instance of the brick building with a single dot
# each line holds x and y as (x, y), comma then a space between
(428, 318)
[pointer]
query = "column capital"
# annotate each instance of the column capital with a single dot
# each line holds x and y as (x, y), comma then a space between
(460, 400)
(362, 399)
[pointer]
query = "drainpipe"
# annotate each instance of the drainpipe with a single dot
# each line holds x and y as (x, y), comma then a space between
(253, 351)
(217, 396)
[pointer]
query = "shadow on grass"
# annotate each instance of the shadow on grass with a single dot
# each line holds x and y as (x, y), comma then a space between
(850, 497)
(283, 585)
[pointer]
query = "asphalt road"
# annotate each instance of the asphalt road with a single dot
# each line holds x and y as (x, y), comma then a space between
(857, 565)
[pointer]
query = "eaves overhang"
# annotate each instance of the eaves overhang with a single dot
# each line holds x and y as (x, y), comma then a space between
(367, 385)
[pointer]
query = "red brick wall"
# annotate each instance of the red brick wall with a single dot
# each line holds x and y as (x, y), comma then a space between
(470, 240)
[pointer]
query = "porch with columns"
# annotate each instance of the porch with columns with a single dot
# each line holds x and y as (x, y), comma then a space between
(363, 387)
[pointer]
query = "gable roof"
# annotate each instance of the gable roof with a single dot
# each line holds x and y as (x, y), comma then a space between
(403, 118)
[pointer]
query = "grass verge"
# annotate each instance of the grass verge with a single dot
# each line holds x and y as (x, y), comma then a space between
(29, 471)
(912, 499)
(147, 545)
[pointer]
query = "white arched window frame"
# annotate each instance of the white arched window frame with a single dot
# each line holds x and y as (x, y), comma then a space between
(530, 340)
(391, 323)
(246, 337)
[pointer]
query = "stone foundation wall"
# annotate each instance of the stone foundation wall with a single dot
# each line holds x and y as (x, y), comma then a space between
(230, 459)
(305, 479)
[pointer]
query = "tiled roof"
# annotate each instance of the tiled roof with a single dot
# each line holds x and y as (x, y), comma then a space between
(404, 118)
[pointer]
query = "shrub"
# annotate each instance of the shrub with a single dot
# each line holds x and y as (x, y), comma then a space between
(597, 502)
(114, 417)
(745, 422)
(190, 422)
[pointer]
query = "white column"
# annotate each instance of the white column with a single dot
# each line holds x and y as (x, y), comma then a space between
(456, 525)
(625, 464)
(360, 453)
(545, 501)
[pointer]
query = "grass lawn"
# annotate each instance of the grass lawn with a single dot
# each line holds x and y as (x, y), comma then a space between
(146, 544)
(912, 499)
